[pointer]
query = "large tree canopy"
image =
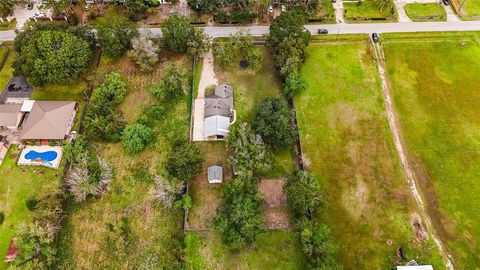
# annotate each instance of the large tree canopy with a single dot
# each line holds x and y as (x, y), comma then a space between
(52, 56)
(304, 193)
(116, 34)
(184, 162)
(177, 32)
(274, 122)
(239, 217)
(6, 7)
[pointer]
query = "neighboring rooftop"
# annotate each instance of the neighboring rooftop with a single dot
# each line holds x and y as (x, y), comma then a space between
(9, 115)
(17, 88)
(49, 120)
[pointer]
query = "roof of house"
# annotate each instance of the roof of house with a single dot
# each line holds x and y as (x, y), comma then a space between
(218, 106)
(224, 91)
(17, 87)
(27, 105)
(9, 114)
(216, 125)
(48, 120)
(215, 173)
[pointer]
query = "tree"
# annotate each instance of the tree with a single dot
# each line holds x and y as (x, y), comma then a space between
(103, 121)
(74, 150)
(52, 56)
(144, 52)
(304, 194)
(7, 7)
(90, 176)
(317, 246)
(198, 44)
(165, 191)
(249, 154)
(274, 122)
(294, 85)
(136, 137)
(135, 9)
(176, 83)
(184, 162)
(288, 24)
(57, 6)
(177, 32)
(115, 34)
(238, 45)
(288, 38)
(239, 217)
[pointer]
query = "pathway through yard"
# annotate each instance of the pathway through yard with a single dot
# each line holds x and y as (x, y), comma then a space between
(379, 55)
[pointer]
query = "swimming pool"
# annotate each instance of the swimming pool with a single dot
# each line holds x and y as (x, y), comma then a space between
(45, 156)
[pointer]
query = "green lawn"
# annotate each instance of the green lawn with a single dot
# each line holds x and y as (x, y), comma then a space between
(273, 250)
(347, 144)
(147, 235)
(437, 102)
(6, 70)
(468, 9)
(425, 12)
(8, 25)
(368, 10)
(17, 184)
(249, 86)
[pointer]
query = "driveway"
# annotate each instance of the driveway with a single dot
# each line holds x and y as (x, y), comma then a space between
(22, 14)
(207, 78)
(338, 6)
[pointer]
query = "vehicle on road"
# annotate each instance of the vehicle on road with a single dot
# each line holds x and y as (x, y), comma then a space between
(322, 31)
(446, 2)
(375, 38)
(284, 8)
(30, 5)
(270, 9)
(39, 14)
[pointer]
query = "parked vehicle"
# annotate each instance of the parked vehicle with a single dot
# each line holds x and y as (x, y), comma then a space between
(446, 2)
(284, 8)
(30, 5)
(270, 9)
(375, 37)
(334, 1)
(322, 31)
(38, 15)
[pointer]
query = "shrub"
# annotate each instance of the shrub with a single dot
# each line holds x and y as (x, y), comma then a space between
(184, 162)
(157, 112)
(177, 31)
(144, 52)
(31, 203)
(175, 83)
(294, 85)
(136, 137)
(116, 34)
(2, 217)
(165, 191)
(304, 194)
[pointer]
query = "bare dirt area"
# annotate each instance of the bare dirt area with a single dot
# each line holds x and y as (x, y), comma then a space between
(277, 216)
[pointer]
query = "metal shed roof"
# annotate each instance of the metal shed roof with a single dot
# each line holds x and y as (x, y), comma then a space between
(216, 125)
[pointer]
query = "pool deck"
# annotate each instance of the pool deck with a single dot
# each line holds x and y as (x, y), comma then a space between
(40, 149)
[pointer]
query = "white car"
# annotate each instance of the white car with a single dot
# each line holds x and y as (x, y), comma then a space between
(270, 9)
(38, 14)
(284, 8)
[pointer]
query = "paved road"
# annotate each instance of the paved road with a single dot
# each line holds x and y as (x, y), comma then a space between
(366, 28)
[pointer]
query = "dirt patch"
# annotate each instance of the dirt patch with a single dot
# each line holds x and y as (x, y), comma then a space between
(418, 228)
(277, 216)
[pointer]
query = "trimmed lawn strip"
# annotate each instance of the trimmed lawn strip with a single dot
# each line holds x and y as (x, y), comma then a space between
(272, 250)
(6, 70)
(367, 11)
(17, 184)
(347, 144)
(154, 233)
(8, 25)
(437, 102)
(430, 12)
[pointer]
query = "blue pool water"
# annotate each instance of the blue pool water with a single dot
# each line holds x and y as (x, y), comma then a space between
(45, 156)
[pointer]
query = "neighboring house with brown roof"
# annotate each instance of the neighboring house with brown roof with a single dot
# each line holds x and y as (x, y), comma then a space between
(10, 115)
(49, 120)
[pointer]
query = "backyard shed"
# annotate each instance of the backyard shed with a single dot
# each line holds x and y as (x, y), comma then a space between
(215, 174)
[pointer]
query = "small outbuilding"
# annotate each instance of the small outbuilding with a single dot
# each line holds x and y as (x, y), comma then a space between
(215, 174)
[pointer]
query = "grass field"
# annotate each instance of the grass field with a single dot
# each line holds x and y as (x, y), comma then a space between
(425, 12)
(8, 25)
(17, 184)
(6, 70)
(366, 11)
(468, 9)
(347, 144)
(273, 250)
(437, 102)
(151, 235)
